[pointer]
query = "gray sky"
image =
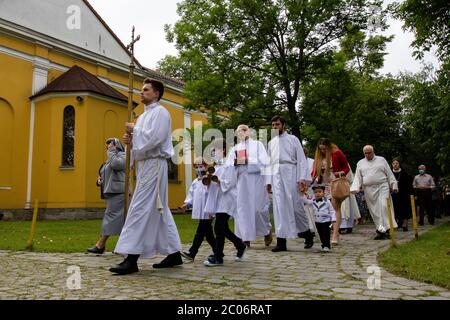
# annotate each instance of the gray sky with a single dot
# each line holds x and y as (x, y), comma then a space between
(121, 15)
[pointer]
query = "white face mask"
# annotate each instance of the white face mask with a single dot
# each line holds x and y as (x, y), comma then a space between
(200, 171)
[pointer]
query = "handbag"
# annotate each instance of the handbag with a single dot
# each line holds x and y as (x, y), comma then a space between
(340, 188)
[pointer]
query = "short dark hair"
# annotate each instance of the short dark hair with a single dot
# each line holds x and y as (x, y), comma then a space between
(278, 118)
(156, 85)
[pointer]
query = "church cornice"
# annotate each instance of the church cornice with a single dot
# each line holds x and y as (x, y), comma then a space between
(13, 30)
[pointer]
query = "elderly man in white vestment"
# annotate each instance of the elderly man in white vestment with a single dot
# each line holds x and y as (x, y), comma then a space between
(149, 227)
(374, 176)
(290, 175)
(252, 213)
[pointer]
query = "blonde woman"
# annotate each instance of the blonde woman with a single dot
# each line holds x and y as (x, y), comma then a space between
(330, 163)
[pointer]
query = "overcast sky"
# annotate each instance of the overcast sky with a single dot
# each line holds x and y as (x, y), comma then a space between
(121, 15)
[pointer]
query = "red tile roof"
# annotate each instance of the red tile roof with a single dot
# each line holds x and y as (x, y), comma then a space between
(76, 79)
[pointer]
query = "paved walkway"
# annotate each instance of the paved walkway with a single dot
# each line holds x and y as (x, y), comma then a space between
(296, 274)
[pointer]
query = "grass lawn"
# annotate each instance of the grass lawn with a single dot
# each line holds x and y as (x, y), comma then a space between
(426, 260)
(72, 236)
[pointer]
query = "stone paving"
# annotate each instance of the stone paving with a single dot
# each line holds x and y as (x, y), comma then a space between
(297, 274)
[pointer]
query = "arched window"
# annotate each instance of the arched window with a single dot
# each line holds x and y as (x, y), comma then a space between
(68, 141)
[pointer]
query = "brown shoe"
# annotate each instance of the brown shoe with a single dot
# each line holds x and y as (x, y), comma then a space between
(268, 239)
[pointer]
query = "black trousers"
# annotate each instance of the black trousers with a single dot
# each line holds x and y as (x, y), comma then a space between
(204, 230)
(222, 230)
(425, 204)
(323, 228)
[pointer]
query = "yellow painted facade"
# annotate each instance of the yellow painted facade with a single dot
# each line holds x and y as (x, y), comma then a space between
(96, 118)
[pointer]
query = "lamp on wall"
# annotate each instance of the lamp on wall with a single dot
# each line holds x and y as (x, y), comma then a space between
(80, 99)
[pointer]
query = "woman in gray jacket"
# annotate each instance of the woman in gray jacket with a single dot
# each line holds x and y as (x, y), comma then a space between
(111, 180)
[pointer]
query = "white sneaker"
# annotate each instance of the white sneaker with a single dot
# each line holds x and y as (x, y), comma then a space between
(325, 249)
(240, 256)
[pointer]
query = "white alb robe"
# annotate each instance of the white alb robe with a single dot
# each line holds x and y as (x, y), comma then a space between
(376, 178)
(196, 197)
(288, 167)
(252, 213)
(222, 196)
(150, 228)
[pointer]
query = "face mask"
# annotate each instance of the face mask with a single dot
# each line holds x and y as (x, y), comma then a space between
(421, 171)
(199, 171)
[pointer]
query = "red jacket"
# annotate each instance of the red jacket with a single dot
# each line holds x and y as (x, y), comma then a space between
(339, 161)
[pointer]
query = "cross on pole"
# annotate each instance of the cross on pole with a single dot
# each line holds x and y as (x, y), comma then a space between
(130, 49)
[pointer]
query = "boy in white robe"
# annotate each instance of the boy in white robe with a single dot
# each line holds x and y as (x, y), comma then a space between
(196, 197)
(249, 158)
(221, 201)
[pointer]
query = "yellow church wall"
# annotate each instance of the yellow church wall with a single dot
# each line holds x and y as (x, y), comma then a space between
(105, 120)
(16, 81)
(41, 152)
(65, 185)
(16, 44)
(53, 186)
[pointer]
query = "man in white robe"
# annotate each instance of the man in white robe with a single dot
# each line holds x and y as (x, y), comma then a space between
(289, 176)
(374, 176)
(149, 227)
(252, 212)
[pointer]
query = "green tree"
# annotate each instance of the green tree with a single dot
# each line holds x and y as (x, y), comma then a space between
(430, 22)
(254, 56)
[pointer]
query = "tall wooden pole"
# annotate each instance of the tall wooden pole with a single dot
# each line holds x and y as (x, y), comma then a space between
(130, 48)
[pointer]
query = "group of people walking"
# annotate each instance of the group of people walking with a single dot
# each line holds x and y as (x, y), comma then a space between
(244, 178)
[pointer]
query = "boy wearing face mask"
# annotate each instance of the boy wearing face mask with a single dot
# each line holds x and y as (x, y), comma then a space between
(221, 202)
(196, 198)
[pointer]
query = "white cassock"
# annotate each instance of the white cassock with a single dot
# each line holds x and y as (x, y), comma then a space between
(375, 178)
(252, 213)
(222, 197)
(150, 228)
(349, 207)
(196, 197)
(288, 167)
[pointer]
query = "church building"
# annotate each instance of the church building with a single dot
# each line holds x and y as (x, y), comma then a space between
(64, 91)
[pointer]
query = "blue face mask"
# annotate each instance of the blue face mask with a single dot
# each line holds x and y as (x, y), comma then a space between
(199, 171)
(421, 171)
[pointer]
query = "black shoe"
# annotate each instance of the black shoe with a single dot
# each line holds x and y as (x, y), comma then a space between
(247, 244)
(170, 261)
(381, 236)
(188, 255)
(308, 244)
(309, 239)
(96, 250)
(212, 261)
(279, 249)
(125, 267)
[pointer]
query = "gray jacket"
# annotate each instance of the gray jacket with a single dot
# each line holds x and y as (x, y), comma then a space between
(112, 173)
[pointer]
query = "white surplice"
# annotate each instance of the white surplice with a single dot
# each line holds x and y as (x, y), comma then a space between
(150, 228)
(289, 166)
(222, 196)
(376, 179)
(196, 197)
(252, 213)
